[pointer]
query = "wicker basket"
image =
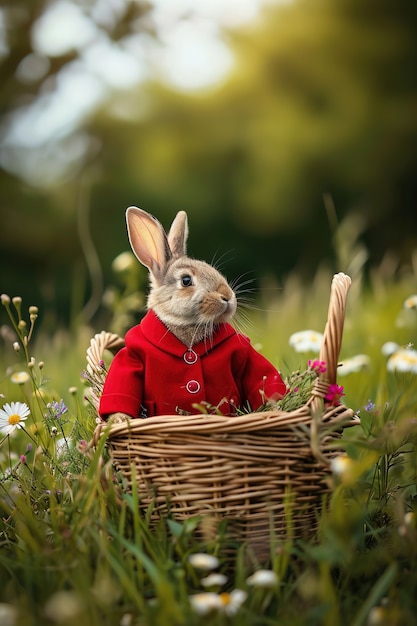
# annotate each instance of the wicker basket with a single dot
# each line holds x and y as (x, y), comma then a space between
(261, 471)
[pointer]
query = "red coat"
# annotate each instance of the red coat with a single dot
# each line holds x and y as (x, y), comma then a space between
(156, 374)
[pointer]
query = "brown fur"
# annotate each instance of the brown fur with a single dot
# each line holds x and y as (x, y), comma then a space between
(189, 312)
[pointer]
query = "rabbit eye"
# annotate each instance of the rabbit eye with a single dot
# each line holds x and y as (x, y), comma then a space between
(186, 280)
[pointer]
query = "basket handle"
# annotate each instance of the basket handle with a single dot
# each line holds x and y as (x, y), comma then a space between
(98, 344)
(333, 332)
(95, 373)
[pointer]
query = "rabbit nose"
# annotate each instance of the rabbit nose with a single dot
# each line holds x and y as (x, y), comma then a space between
(226, 294)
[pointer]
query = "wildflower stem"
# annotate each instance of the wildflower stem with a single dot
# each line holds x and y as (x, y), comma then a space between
(32, 326)
(6, 305)
(9, 455)
(29, 435)
(3, 440)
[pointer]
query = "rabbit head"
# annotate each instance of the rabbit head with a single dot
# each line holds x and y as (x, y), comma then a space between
(189, 296)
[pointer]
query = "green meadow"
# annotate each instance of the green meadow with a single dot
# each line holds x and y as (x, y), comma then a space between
(78, 550)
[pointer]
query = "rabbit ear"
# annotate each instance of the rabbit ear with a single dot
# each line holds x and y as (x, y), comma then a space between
(148, 241)
(178, 234)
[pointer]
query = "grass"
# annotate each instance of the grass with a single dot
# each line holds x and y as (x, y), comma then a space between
(75, 549)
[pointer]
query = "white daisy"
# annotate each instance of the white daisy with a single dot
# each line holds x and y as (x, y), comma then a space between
(231, 602)
(341, 464)
(11, 416)
(19, 378)
(214, 580)
(354, 364)
(403, 361)
(206, 602)
(263, 578)
(123, 262)
(306, 341)
(411, 302)
(203, 561)
(389, 348)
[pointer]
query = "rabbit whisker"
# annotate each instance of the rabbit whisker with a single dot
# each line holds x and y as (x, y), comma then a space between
(236, 285)
(217, 263)
(244, 324)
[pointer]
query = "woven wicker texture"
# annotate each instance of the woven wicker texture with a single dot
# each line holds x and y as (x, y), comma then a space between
(261, 471)
(95, 371)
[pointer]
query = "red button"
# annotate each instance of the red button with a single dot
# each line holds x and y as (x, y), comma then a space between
(193, 386)
(190, 357)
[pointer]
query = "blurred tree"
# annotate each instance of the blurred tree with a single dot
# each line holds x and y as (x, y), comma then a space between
(321, 101)
(55, 52)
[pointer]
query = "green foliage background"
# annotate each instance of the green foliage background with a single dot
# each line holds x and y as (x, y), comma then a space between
(315, 123)
(76, 548)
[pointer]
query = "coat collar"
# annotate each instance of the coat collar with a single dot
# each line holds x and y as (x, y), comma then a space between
(158, 334)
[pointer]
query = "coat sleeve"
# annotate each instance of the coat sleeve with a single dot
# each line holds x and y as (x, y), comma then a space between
(123, 387)
(261, 381)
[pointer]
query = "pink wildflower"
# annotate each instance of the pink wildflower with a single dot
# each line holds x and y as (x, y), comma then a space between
(334, 394)
(318, 366)
(82, 446)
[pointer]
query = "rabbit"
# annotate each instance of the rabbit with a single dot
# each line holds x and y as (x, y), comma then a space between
(184, 355)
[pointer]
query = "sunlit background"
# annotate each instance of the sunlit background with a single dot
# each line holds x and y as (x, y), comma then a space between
(283, 128)
(178, 43)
